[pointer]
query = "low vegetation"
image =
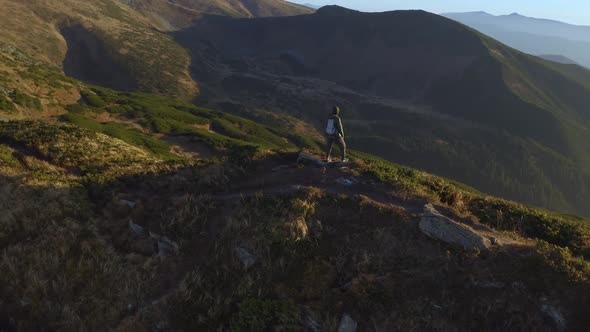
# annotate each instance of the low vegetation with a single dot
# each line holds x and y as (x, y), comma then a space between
(564, 231)
(151, 115)
(71, 259)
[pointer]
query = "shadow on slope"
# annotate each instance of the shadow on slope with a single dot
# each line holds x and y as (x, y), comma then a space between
(88, 60)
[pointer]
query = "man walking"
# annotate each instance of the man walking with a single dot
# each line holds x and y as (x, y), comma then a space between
(335, 133)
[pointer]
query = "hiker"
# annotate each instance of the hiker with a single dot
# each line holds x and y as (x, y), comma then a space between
(335, 133)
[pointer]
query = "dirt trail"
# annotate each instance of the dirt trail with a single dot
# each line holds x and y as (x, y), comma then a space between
(274, 178)
(281, 179)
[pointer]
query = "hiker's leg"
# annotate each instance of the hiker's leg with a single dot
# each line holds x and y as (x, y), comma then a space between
(343, 148)
(329, 147)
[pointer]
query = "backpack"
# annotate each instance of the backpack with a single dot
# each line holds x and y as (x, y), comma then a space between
(330, 128)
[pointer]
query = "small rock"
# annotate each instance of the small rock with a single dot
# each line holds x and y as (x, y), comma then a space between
(164, 246)
(137, 229)
(518, 285)
(345, 181)
(553, 313)
(6, 91)
(127, 203)
(297, 187)
(245, 257)
(347, 324)
(489, 284)
(310, 323)
(435, 225)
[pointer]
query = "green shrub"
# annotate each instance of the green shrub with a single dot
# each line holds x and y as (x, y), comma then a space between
(498, 213)
(6, 104)
(25, 100)
(122, 132)
(92, 99)
(75, 108)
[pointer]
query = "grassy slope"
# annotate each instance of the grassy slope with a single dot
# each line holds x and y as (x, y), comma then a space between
(155, 61)
(320, 257)
(246, 8)
(163, 116)
(71, 261)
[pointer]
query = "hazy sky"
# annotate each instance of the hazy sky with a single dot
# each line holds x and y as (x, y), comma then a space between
(571, 11)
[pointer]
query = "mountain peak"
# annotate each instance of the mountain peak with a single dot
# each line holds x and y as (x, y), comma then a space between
(335, 10)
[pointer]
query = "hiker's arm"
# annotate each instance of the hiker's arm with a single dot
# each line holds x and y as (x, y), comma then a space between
(340, 127)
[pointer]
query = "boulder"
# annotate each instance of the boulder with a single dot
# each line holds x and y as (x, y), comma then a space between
(311, 324)
(245, 257)
(165, 246)
(345, 181)
(444, 229)
(127, 203)
(347, 324)
(136, 229)
(554, 314)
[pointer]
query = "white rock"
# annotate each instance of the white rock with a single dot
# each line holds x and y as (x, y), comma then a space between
(347, 324)
(311, 324)
(245, 257)
(444, 229)
(136, 229)
(345, 181)
(127, 203)
(553, 313)
(166, 247)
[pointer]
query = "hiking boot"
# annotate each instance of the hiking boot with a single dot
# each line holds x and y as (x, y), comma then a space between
(345, 160)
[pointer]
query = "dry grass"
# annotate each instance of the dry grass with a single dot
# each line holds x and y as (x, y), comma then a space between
(71, 262)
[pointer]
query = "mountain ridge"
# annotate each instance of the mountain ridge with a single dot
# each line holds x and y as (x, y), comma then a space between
(527, 34)
(392, 52)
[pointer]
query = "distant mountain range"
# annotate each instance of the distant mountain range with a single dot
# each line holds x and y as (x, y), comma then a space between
(532, 35)
(312, 6)
(558, 58)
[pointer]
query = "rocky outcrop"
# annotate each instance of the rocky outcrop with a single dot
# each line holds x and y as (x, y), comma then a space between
(444, 229)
